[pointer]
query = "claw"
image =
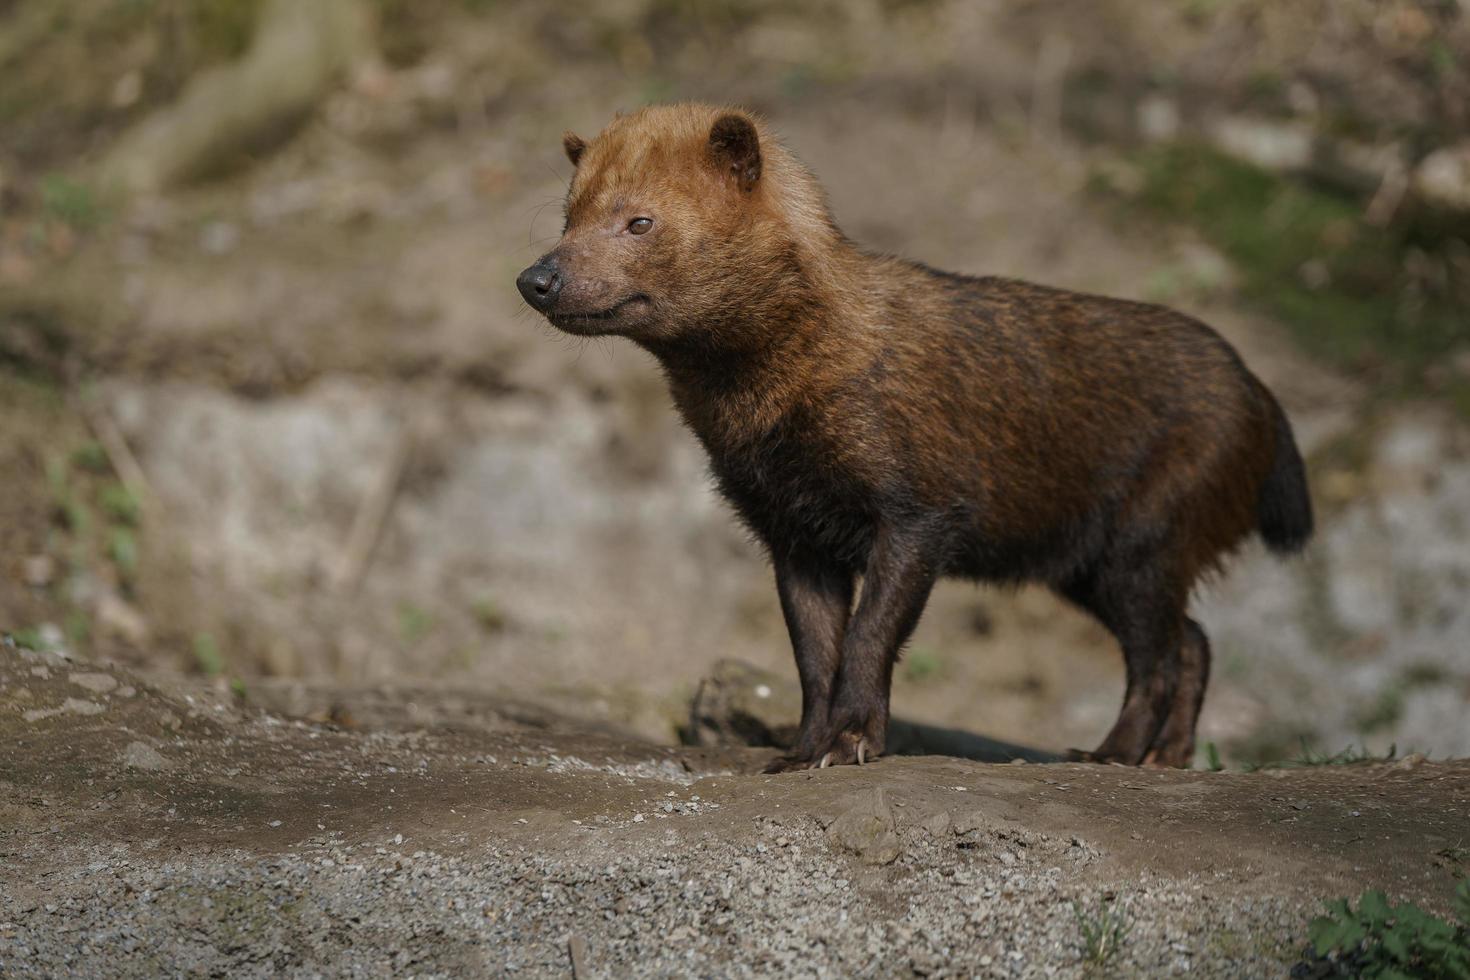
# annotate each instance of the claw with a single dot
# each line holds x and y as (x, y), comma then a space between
(826, 761)
(862, 751)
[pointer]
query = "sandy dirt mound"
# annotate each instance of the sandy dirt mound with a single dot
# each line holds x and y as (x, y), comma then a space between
(159, 829)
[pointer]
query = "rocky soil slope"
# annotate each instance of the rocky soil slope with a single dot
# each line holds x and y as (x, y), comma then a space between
(151, 830)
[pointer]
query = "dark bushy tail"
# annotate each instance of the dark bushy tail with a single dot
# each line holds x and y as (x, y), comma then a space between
(1285, 508)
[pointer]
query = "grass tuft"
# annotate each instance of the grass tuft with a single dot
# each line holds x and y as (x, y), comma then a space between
(207, 655)
(921, 664)
(1309, 758)
(1102, 933)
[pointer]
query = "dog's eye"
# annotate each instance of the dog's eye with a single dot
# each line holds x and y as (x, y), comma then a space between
(640, 225)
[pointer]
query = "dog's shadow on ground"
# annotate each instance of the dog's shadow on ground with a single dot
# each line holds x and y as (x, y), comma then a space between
(741, 704)
(913, 738)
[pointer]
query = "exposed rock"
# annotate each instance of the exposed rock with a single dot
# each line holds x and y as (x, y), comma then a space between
(140, 756)
(739, 704)
(1269, 144)
(938, 824)
(1158, 117)
(94, 680)
(1442, 179)
(118, 617)
(38, 571)
(867, 829)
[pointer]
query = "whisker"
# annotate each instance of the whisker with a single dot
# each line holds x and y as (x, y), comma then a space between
(531, 231)
(542, 204)
(566, 181)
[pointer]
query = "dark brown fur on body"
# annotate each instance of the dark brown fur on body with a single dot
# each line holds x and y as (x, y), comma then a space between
(872, 418)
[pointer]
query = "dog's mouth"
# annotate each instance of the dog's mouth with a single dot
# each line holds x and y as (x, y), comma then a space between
(591, 322)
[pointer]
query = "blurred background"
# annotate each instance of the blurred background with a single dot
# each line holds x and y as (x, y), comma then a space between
(271, 409)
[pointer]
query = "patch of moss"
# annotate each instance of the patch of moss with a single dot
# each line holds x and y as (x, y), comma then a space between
(1349, 292)
(224, 27)
(70, 202)
(406, 28)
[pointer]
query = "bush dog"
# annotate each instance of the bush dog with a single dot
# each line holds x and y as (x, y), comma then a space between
(872, 419)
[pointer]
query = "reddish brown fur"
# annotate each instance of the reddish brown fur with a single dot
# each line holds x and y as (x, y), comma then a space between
(869, 416)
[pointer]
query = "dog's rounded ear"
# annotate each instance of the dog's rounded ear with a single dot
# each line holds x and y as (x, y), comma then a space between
(574, 145)
(736, 148)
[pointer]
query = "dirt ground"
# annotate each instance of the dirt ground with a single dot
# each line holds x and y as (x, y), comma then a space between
(151, 830)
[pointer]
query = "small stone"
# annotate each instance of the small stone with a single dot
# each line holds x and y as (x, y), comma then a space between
(1315, 274)
(1158, 118)
(1269, 144)
(867, 829)
(219, 237)
(938, 823)
(577, 952)
(52, 638)
(77, 706)
(39, 570)
(1411, 761)
(1443, 177)
(140, 756)
(127, 89)
(120, 618)
(94, 681)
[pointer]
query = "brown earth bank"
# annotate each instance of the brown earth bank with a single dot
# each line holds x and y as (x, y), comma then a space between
(159, 827)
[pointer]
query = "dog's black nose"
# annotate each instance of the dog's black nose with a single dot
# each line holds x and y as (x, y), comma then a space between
(540, 284)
